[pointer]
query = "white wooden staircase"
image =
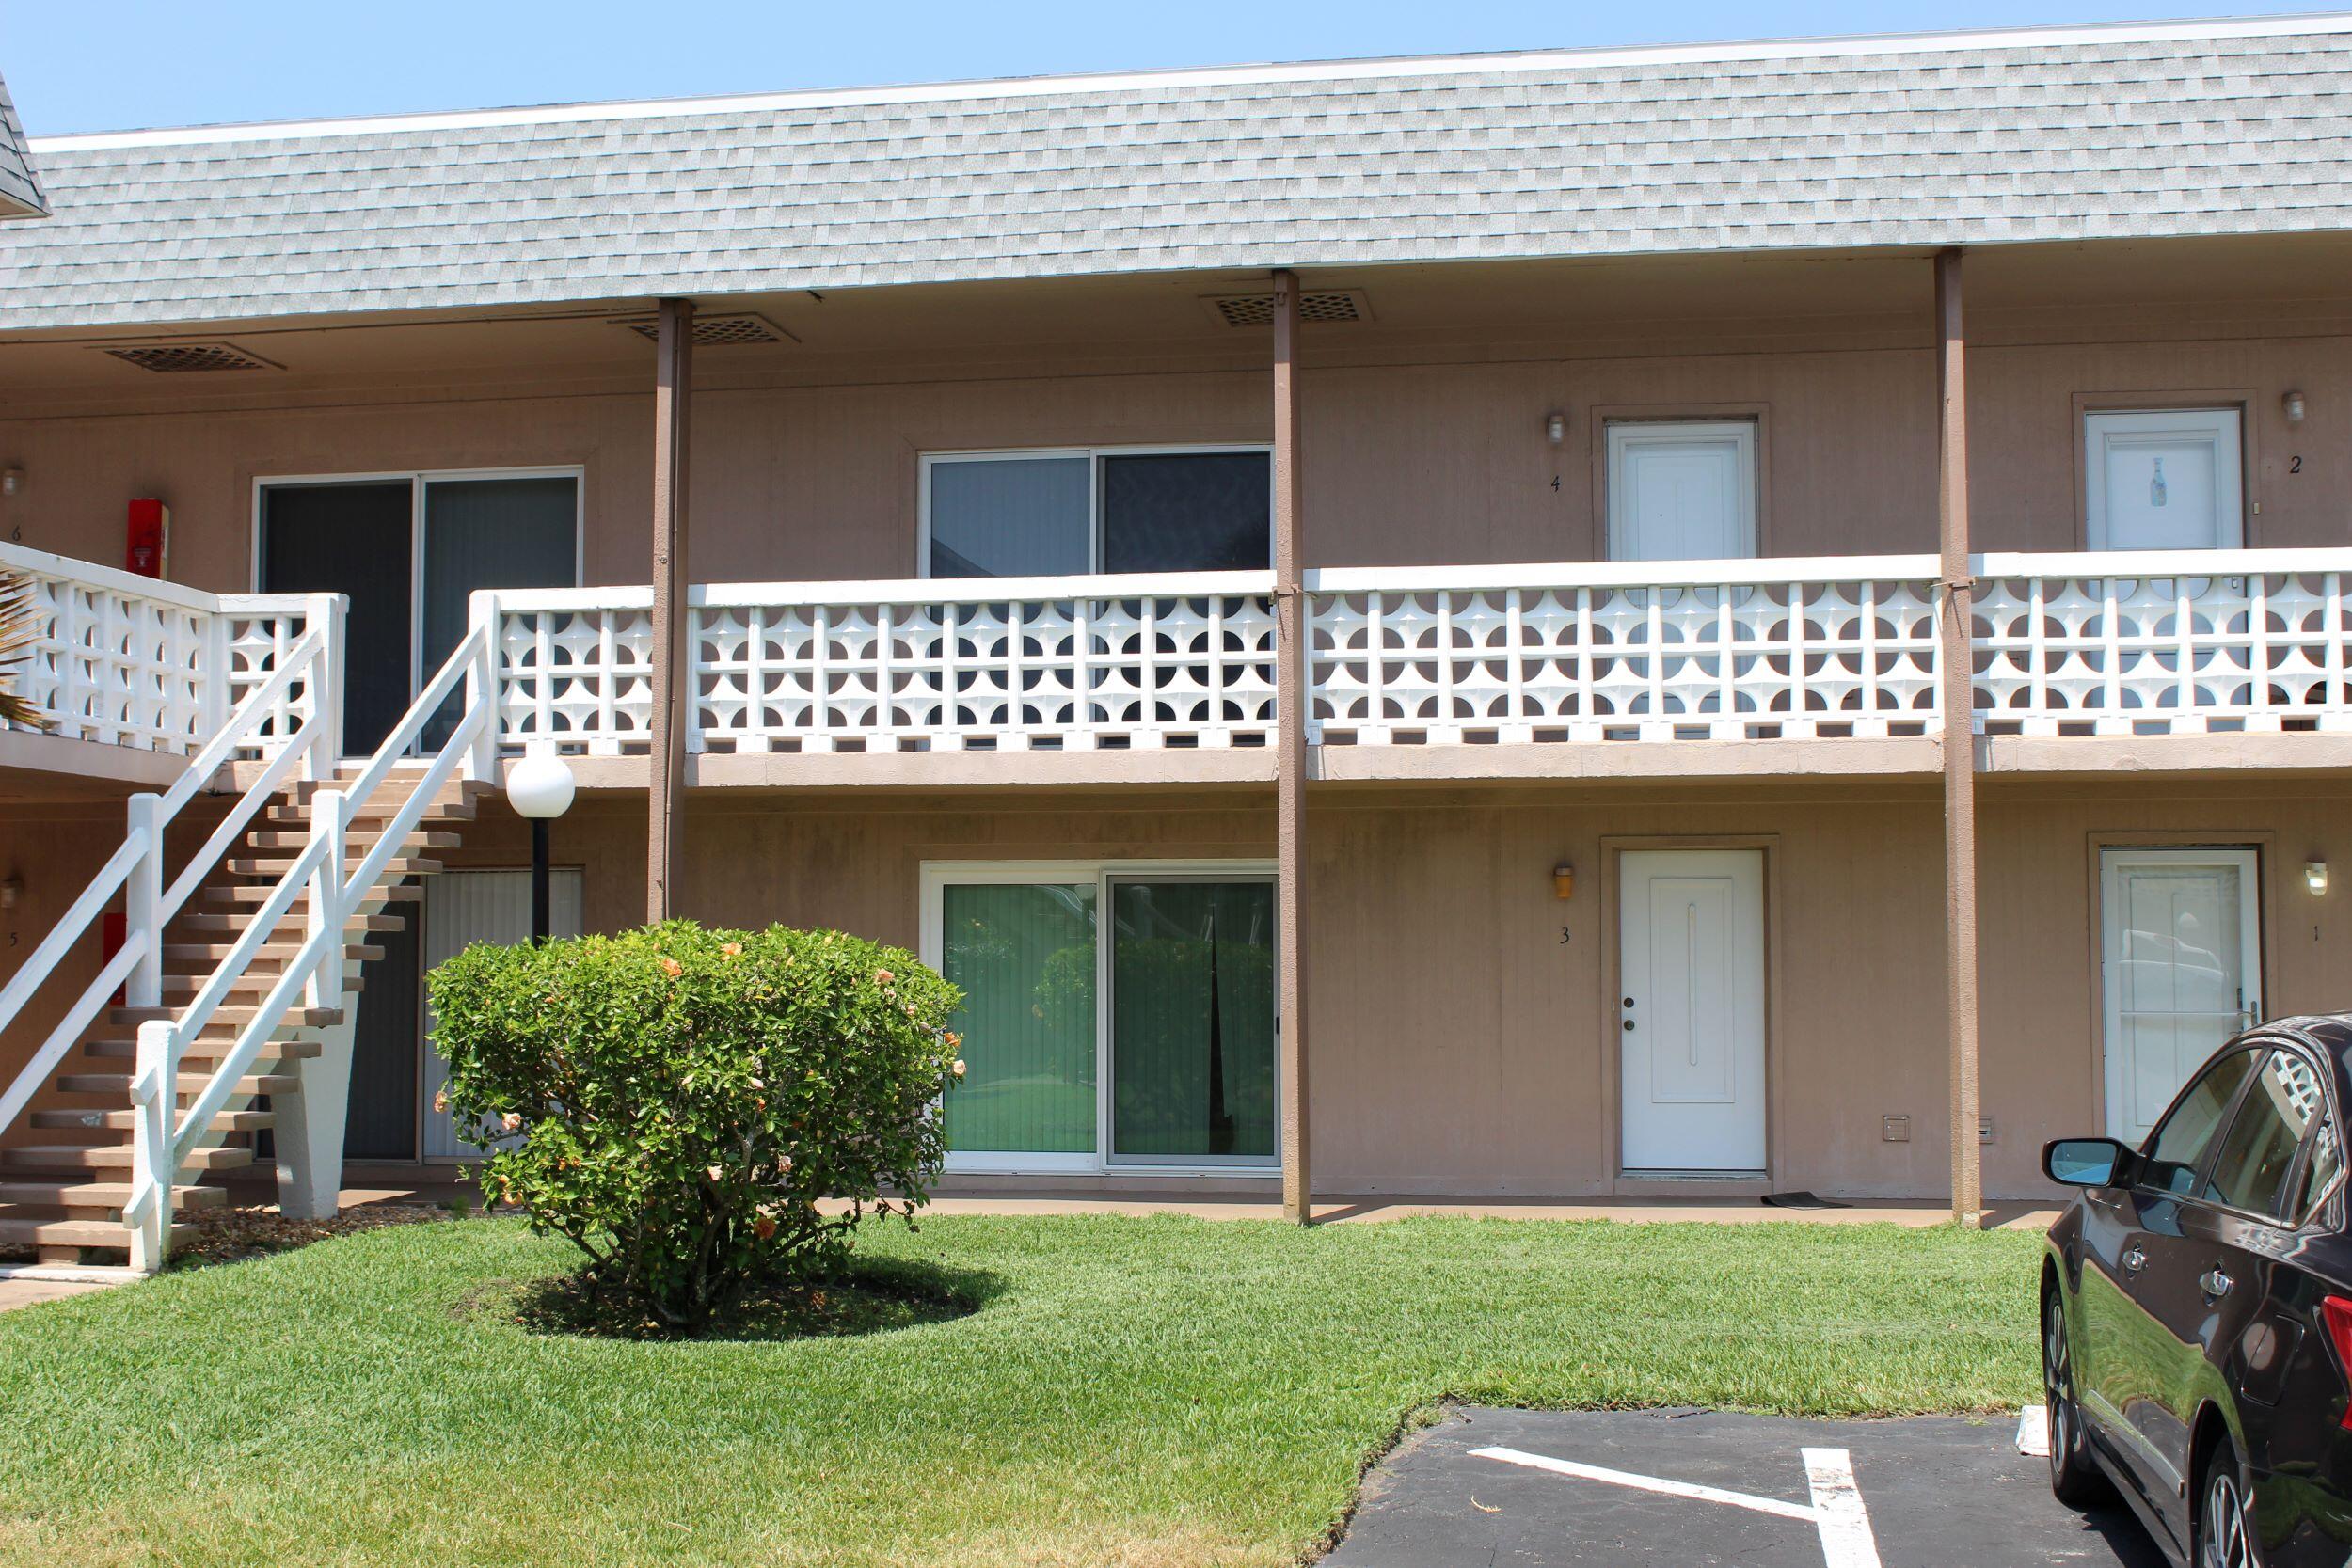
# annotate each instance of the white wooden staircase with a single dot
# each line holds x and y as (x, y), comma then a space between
(65, 1196)
(238, 974)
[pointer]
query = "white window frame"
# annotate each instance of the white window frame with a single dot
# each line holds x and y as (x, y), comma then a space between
(1093, 456)
(1620, 434)
(2226, 420)
(938, 875)
(418, 480)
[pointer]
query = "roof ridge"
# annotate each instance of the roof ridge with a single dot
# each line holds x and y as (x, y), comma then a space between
(1371, 69)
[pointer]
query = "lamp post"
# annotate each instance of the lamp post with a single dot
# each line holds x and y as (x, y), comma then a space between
(539, 787)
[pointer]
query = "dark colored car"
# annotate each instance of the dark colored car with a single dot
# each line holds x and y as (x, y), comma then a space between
(2196, 1310)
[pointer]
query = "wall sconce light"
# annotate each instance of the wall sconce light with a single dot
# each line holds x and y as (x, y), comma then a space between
(12, 481)
(11, 890)
(2293, 404)
(1555, 428)
(2315, 877)
(1564, 880)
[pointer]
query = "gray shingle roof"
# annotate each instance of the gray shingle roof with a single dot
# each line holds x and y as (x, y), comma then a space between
(2092, 133)
(20, 192)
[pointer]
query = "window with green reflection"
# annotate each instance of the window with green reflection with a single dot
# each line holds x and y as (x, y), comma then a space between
(1023, 954)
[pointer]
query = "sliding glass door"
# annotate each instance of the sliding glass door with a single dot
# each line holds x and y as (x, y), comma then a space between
(1192, 1021)
(409, 550)
(1145, 1042)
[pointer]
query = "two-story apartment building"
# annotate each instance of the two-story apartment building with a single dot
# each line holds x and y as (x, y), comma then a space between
(1634, 622)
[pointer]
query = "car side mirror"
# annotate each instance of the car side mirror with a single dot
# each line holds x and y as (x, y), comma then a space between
(2085, 1161)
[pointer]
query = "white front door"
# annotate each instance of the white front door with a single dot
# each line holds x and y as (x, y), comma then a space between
(1682, 490)
(2182, 971)
(462, 908)
(2165, 479)
(1691, 1021)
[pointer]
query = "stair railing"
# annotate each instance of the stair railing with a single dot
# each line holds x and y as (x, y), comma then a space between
(163, 1140)
(135, 870)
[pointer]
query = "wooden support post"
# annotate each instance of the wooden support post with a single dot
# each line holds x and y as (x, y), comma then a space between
(673, 670)
(1289, 763)
(1960, 741)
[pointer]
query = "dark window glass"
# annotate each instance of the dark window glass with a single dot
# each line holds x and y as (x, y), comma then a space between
(1010, 517)
(2250, 1171)
(2327, 1158)
(489, 534)
(350, 539)
(1187, 511)
(2176, 1149)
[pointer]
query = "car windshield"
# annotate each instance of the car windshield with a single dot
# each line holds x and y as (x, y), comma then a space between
(2176, 1149)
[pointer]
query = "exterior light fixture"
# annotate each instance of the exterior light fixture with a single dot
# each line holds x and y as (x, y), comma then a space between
(2315, 877)
(540, 788)
(11, 480)
(11, 890)
(1555, 428)
(2293, 404)
(1564, 880)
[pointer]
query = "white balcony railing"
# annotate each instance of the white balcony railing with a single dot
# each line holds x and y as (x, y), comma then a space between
(1136, 663)
(155, 666)
(1655, 652)
(1644, 651)
(2181, 642)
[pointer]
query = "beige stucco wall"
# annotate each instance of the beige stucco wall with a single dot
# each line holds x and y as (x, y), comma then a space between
(1461, 1047)
(1423, 459)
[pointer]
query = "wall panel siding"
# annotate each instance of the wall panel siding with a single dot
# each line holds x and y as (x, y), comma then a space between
(1413, 461)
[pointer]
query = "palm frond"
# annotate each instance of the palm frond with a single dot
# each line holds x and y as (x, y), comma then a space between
(20, 627)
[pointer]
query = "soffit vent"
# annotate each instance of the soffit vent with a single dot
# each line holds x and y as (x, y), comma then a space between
(176, 358)
(1320, 307)
(718, 331)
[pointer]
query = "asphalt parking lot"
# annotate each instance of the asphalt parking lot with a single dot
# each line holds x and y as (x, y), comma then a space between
(1537, 1489)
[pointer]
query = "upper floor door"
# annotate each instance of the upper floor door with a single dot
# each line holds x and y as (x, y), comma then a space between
(409, 550)
(1682, 490)
(2165, 479)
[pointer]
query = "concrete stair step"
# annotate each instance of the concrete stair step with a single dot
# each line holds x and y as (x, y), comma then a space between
(124, 1121)
(273, 955)
(208, 1047)
(232, 1014)
(416, 838)
(77, 1233)
(254, 982)
(113, 1157)
(237, 921)
(273, 867)
(119, 1083)
(101, 1197)
(260, 892)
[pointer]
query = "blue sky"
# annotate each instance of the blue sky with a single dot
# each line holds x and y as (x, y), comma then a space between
(93, 64)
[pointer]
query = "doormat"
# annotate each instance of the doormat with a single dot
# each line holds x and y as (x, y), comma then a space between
(1800, 1199)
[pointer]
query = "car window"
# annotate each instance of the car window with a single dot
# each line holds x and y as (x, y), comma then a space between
(2250, 1171)
(2327, 1158)
(2176, 1149)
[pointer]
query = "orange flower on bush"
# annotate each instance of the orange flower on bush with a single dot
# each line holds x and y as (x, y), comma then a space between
(673, 968)
(764, 1226)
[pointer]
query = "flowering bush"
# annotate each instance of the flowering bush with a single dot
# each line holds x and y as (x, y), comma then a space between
(685, 1097)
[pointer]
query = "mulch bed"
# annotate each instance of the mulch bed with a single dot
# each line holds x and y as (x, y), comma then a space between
(229, 1235)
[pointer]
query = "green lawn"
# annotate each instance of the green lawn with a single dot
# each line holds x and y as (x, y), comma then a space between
(1134, 1392)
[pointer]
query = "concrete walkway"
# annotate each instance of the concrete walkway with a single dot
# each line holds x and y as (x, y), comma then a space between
(25, 1292)
(2011, 1215)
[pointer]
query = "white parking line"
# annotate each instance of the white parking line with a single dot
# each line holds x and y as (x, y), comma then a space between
(1838, 1513)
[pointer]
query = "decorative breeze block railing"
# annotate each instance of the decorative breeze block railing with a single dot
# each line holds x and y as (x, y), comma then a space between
(1642, 651)
(998, 664)
(127, 661)
(2172, 643)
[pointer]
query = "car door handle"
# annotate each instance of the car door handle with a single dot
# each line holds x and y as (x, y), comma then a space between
(2215, 1283)
(2135, 1260)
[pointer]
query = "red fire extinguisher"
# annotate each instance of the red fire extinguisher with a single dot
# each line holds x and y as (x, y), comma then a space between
(146, 549)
